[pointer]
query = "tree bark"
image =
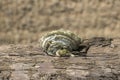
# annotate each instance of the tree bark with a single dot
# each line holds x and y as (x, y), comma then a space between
(29, 62)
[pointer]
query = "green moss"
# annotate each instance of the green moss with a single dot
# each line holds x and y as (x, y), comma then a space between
(63, 52)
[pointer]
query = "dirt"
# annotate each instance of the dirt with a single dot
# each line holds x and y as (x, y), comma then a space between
(29, 62)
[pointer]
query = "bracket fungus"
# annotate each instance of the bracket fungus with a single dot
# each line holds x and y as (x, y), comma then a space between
(60, 43)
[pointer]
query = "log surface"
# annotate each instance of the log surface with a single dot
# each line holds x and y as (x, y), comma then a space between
(29, 62)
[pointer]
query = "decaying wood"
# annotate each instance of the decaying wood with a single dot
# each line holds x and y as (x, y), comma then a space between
(28, 62)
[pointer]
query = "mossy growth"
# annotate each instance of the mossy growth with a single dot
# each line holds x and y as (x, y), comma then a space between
(64, 53)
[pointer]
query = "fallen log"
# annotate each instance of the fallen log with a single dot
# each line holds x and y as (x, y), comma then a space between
(29, 62)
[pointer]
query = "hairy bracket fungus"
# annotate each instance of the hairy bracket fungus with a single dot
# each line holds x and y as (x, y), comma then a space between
(60, 43)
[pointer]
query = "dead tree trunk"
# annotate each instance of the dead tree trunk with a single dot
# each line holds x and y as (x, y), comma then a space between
(28, 62)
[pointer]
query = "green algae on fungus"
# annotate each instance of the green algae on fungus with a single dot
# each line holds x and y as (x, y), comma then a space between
(60, 43)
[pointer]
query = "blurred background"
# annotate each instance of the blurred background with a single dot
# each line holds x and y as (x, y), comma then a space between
(25, 21)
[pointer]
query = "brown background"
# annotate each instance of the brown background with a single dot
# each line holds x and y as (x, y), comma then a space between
(27, 20)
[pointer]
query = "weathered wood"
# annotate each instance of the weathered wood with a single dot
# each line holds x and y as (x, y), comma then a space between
(28, 62)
